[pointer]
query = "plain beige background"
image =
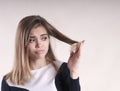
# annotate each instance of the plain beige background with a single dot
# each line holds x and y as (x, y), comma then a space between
(95, 21)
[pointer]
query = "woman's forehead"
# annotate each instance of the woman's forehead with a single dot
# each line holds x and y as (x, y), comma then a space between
(38, 31)
(34, 36)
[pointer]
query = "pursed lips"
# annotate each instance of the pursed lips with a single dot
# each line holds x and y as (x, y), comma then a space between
(39, 51)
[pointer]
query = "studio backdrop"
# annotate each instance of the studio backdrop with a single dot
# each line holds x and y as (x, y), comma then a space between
(95, 21)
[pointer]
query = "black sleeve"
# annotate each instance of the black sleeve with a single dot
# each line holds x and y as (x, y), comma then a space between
(4, 85)
(64, 82)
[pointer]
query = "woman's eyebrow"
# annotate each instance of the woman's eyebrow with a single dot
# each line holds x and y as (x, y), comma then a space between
(43, 34)
(33, 36)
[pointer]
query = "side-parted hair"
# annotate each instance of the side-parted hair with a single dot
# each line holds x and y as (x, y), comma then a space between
(21, 71)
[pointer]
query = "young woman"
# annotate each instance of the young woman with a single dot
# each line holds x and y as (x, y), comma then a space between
(35, 67)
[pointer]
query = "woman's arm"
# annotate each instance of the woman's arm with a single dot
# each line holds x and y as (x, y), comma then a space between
(64, 82)
(74, 61)
(67, 78)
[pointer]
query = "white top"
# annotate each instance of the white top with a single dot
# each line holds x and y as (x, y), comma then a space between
(44, 79)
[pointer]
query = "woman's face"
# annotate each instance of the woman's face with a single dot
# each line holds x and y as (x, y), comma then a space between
(38, 43)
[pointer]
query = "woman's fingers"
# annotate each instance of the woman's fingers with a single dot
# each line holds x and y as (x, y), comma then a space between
(79, 45)
(75, 55)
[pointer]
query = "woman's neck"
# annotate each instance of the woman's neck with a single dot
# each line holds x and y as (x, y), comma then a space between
(38, 63)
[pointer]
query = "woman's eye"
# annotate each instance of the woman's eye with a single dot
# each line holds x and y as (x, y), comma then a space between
(44, 38)
(31, 40)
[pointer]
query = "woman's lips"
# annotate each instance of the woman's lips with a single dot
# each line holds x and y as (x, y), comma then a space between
(39, 51)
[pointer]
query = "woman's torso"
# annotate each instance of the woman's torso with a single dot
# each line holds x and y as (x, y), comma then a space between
(44, 79)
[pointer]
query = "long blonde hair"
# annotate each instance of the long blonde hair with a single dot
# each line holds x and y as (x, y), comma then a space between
(21, 71)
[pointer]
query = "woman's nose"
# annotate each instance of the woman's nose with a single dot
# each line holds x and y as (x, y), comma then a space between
(38, 43)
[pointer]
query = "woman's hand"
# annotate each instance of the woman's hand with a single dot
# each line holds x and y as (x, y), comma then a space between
(74, 61)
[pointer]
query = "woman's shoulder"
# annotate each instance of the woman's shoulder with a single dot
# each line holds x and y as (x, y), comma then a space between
(4, 84)
(5, 80)
(58, 63)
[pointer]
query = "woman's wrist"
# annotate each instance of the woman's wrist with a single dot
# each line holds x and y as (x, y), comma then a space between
(74, 74)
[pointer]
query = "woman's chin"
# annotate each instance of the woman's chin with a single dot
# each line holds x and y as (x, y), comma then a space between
(40, 56)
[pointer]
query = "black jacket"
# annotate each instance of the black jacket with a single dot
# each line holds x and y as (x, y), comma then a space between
(63, 82)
